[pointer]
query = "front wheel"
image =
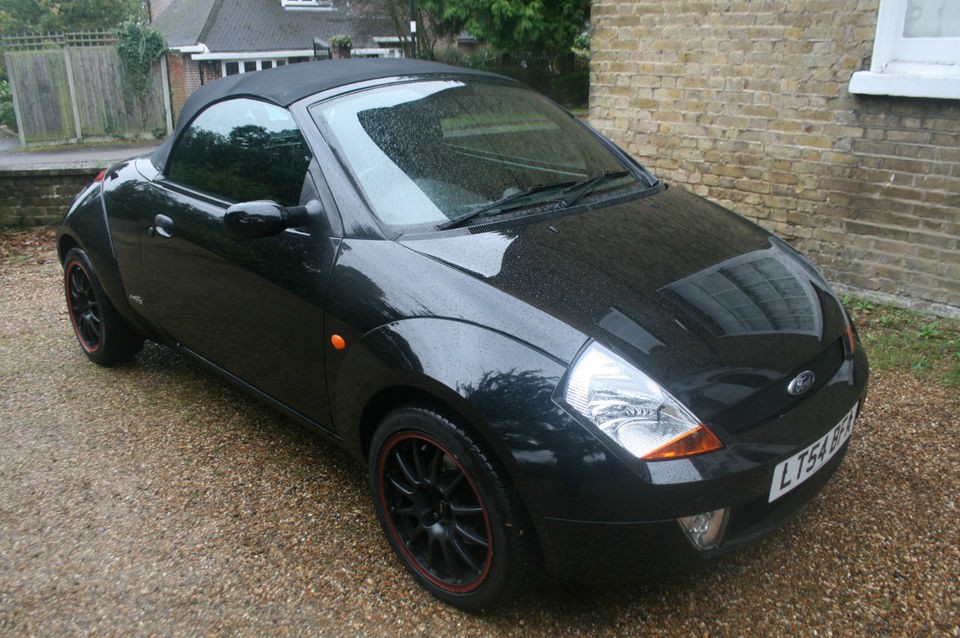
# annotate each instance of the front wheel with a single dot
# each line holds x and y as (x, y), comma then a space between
(106, 338)
(447, 510)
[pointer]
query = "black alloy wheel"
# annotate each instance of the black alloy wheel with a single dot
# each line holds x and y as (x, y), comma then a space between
(436, 511)
(103, 334)
(84, 307)
(446, 510)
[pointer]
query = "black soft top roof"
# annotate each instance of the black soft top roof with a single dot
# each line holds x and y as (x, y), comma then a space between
(287, 84)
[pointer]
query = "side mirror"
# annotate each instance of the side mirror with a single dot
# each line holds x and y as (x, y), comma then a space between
(264, 218)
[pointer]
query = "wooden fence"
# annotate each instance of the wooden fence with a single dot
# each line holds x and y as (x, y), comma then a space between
(69, 88)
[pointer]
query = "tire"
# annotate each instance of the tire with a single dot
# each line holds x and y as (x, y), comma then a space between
(448, 511)
(106, 338)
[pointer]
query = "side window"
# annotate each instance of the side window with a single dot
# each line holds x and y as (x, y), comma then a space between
(242, 150)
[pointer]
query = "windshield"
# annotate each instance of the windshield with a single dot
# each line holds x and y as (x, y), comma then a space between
(435, 151)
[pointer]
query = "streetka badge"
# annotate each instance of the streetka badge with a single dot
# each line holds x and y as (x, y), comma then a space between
(801, 383)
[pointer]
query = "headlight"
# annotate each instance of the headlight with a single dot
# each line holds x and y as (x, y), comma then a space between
(632, 409)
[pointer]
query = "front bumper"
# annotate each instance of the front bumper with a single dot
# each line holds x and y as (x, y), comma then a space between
(599, 551)
(620, 519)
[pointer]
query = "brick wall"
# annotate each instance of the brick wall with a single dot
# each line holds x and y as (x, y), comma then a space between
(184, 75)
(177, 77)
(191, 74)
(39, 197)
(746, 103)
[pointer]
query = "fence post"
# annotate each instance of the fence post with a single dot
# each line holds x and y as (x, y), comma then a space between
(73, 91)
(16, 106)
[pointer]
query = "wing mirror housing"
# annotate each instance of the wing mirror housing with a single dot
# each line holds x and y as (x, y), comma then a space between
(265, 218)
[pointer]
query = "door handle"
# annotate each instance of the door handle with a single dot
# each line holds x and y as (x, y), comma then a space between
(162, 225)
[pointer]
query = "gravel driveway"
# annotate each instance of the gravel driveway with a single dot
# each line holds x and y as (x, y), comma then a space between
(155, 499)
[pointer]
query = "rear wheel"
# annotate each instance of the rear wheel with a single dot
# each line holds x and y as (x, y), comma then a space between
(447, 510)
(106, 338)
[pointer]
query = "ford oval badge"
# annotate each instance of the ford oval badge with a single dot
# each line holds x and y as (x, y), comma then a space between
(801, 383)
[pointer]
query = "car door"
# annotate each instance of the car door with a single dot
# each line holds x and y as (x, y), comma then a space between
(253, 307)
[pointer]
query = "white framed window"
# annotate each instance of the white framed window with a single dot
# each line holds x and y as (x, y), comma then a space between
(916, 51)
(233, 67)
(313, 5)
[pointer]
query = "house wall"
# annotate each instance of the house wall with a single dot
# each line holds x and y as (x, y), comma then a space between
(211, 71)
(746, 102)
(178, 84)
(184, 75)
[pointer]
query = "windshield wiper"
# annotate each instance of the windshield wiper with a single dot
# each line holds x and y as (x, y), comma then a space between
(504, 204)
(579, 190)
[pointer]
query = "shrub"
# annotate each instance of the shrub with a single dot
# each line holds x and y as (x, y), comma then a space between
(139, 47)
(341, 42)
(7, 117)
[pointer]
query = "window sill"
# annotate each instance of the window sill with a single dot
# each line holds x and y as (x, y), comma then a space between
(308, 5)
(944, 85)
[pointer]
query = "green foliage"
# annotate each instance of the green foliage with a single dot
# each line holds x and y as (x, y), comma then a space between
(928, 330)
(540, 26)
(139, 48)
(530, 40)
(546, 26)
(451, 55)
(485, 59)
(429, 28)
(864, 305)
(341, 41)
(571, 89)
(7, 117)
(59, 16)
(564, 78)
(899, 339)
(582, 42)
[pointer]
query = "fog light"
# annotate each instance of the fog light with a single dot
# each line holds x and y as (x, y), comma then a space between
(705, 530)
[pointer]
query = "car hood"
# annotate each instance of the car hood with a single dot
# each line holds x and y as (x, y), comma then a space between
(709, 304)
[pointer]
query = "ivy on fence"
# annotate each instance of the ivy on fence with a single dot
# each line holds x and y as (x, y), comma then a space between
(139, 47)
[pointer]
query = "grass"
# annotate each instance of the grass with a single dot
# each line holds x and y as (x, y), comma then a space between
(897, 339)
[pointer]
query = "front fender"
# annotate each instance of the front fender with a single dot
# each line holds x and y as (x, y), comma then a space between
(86, 226)
(500, 387)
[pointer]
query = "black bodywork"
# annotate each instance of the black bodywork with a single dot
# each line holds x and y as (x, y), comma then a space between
(484, 321)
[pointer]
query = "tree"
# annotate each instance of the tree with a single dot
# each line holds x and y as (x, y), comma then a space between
(58, 16)
(430, 27)
(548, 26)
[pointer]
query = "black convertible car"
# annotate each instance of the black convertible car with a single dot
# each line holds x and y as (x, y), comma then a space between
(541, 351)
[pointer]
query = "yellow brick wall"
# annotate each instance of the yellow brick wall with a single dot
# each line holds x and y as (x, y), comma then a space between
(746, 102)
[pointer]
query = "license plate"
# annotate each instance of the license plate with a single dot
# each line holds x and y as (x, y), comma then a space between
(792, 472)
